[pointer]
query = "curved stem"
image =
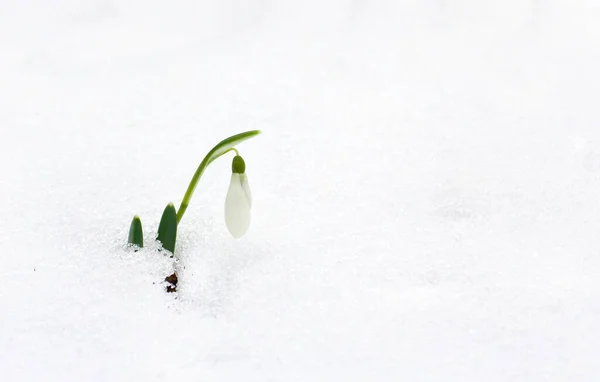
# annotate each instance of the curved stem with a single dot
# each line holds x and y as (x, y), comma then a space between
(221, 148)
(232, 149)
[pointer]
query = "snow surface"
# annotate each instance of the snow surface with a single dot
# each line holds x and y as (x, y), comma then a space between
(426, 202)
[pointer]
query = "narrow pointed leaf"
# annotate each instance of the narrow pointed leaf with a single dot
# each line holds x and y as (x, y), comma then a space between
(167, 229)
(136, 234)
(213, 154)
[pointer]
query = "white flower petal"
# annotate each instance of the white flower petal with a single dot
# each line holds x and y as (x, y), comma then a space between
(246, 187)
(237, 205)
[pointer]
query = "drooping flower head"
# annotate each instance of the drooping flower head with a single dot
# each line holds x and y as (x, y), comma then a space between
(239, 199)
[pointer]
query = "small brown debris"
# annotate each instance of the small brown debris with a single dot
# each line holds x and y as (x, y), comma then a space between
(172, 279)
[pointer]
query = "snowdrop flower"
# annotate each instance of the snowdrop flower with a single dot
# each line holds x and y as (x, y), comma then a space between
(239, 199)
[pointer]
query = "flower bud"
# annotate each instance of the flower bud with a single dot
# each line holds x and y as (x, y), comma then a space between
(238, 200)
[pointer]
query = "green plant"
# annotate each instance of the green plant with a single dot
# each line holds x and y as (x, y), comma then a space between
(237, 203)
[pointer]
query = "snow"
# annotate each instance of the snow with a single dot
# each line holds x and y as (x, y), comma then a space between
(425, 200)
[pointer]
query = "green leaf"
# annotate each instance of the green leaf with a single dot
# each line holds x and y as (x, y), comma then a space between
(136, 235)
(220, 149)
(167, 229)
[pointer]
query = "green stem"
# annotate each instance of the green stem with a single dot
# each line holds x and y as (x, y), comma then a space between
(220, 149)
(232, 149)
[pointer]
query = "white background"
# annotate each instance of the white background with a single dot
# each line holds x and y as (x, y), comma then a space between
(426, 190)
